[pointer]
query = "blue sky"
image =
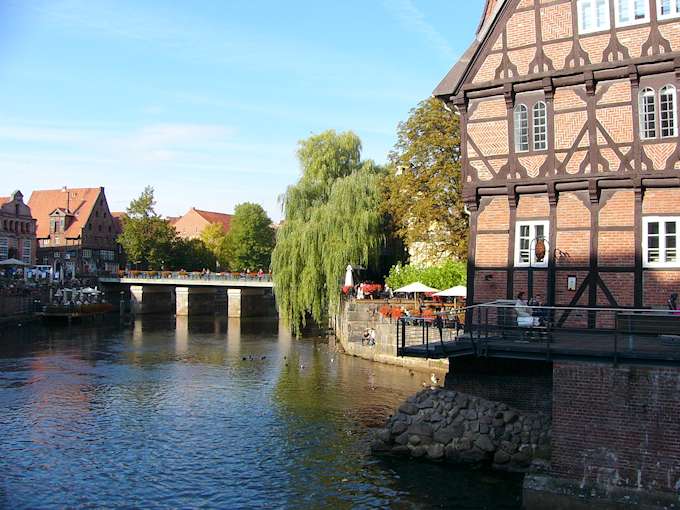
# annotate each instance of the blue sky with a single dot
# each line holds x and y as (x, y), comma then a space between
(206, 100)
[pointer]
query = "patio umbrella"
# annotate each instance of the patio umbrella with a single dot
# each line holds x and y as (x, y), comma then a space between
(415, 288)
(349, 279)
(13, 262)
(457, 291)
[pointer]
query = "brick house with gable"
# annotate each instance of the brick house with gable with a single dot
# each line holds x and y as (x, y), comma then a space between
(76, 232)
(17, 229)
(569, 120)
(192, 224)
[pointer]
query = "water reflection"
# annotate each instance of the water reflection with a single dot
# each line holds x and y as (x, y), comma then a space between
(184, 412)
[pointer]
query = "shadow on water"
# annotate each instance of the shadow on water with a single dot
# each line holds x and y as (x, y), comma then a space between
(215, 412)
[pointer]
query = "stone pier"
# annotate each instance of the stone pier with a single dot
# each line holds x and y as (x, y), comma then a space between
(151, 299)
(249, 302)
(194, 301)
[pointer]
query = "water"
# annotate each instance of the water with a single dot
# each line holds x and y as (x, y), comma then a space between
(169, 414)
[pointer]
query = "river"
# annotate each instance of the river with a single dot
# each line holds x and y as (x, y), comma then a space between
(208, 413)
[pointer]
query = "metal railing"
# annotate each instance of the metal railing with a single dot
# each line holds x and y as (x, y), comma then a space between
(193, 275)
(503, 328)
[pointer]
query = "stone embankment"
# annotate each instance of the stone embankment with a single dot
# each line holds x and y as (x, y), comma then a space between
(438, 424)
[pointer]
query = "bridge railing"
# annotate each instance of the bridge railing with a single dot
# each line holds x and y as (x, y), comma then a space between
(195, 275)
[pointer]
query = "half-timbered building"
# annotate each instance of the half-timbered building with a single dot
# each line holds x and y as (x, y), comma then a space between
(569, 115)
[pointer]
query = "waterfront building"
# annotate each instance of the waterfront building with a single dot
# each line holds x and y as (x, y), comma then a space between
(571, 169)
(569, 119)
(192, 224)
(75, 230)
(17, 229)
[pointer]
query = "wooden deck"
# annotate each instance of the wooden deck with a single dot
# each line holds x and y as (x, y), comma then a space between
(564, 345)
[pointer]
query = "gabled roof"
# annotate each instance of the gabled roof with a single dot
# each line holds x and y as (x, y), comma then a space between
(454, 78)
(118, 221)
(77, 201)
(215, 217)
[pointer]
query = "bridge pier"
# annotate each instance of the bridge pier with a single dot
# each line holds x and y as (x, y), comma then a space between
(249, 302)
(194, 301)
(150, 299)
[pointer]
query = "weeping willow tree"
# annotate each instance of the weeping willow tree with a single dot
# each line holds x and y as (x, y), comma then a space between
(332, 217)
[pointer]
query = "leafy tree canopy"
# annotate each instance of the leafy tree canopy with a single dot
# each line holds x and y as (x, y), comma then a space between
(449, 274)
(250, 240)
(332, 217)
(215, 240)
(424, 185)
(147, 238)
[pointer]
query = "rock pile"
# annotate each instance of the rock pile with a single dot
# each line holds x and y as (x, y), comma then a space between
(438, 424)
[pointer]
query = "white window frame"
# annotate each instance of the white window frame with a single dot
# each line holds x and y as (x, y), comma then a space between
(673, 115)
(662, 240)
(27, 251)
(592, 6)
(4, 248)
(521, 135)
(540, 139)
(631, 9)
(675, 10)
(644, 112)
(532, 246)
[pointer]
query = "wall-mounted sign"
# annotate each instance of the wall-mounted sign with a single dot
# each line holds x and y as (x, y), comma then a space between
(571, 283)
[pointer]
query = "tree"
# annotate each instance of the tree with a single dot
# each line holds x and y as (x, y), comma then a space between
(250, 240)
(191, 255)
(332, 217)
(148, 240)
(215, 240)
(424, 186)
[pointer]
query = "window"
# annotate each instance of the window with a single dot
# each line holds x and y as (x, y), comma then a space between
(667, 8)
(87, 253)
(660, 238)
(521, 128)
(4, 248)
(540, 127)
(667, 111)
(647, 114)
(531, 244)
(664, 123)
(630, 12)
(27, 252)
(593, 15)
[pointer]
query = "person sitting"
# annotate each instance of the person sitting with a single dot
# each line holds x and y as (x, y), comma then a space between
(524, 317)
(366, 337)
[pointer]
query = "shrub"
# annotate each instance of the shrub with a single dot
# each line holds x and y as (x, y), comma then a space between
(448, 274)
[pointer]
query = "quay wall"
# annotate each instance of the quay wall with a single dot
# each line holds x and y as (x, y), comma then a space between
(349, 326)
(615, 439)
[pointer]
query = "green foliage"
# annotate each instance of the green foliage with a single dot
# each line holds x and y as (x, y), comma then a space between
(215, 240)
(147, 238)
(250, 240)
(444, 276)
(191, 255)
(332, 218)
(424, 185)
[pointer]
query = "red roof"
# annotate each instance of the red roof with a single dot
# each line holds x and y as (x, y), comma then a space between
(216, 217)
(117, 220)
(77, 201)
(4, 200)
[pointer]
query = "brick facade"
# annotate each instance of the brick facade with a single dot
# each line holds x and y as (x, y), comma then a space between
(17, 229)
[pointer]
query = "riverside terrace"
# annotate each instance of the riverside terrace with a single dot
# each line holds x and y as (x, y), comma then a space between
(631, 336)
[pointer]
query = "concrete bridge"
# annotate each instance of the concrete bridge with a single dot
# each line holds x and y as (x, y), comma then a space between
(196, 293)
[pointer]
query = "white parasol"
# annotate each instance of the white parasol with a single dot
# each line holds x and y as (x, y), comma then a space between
(415, 288)
(457, 291)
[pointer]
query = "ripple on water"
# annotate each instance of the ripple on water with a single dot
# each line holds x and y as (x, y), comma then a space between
(171, 415)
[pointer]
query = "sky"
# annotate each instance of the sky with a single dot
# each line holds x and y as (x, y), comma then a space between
(207, 100)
